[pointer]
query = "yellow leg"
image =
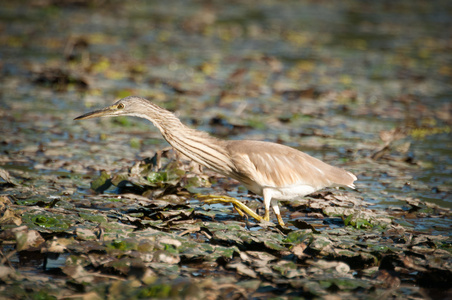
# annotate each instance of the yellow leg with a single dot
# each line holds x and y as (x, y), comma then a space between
(280, 220)
(241, 213)
(278, 214)
(239, 206)
(267, 215)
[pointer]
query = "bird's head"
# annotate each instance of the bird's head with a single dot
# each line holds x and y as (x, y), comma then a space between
(129, 106)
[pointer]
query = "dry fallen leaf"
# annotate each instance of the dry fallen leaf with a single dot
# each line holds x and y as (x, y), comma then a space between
(28, 239)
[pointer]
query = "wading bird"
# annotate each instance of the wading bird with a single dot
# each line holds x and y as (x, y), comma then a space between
(274, 171)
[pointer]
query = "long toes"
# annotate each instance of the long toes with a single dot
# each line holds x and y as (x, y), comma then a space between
(241, 208)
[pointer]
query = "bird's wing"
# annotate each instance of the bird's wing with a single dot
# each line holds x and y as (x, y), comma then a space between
(276, 165)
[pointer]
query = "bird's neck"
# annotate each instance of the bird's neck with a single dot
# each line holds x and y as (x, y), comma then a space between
(196, 145)
(201, 147)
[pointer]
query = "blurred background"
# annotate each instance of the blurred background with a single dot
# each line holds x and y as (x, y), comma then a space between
(363, 83)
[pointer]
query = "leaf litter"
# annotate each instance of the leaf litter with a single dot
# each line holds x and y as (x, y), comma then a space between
(153, 242)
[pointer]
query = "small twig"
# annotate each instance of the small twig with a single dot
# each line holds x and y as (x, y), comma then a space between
(6, 258)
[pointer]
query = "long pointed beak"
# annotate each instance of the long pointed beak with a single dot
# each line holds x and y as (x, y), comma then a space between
(96, 114)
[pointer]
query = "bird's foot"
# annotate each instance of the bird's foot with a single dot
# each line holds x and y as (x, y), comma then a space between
(241, 208)
(278, 216)
(280, 220)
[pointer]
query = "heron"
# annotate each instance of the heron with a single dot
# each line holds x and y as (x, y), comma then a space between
(273, 171)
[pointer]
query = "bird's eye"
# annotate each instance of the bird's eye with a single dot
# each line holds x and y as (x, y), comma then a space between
(120, 106)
